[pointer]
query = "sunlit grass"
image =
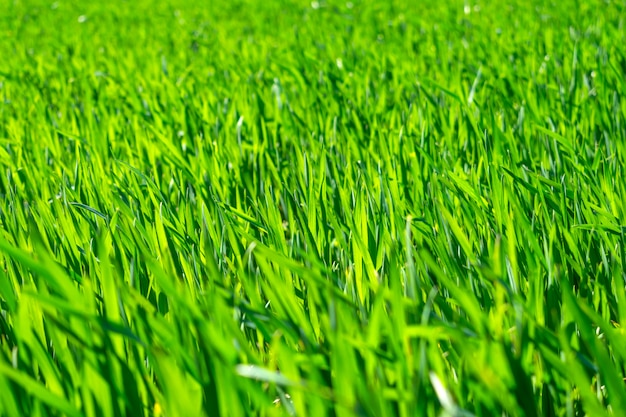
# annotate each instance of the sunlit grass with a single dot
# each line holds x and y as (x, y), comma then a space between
(328, 208)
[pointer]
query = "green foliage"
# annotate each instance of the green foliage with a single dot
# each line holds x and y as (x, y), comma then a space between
(312, 208)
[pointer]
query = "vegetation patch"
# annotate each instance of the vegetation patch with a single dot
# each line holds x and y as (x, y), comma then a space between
(328, 208)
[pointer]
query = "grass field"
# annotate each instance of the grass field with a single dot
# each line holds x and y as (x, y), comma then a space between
(328, 208)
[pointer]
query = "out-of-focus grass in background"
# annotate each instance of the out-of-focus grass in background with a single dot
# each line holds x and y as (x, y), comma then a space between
(331, 208)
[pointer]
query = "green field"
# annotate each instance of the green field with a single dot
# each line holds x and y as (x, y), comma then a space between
(328, 208)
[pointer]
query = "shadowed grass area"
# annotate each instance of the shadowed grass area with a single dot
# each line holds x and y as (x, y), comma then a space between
(312, 208)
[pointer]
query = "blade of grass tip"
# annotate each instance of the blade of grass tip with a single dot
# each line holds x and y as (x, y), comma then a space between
(90, 209)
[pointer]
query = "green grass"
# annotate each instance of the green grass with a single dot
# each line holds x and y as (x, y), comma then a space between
(316, 209)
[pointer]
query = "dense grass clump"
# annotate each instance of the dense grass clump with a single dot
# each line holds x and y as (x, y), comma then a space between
(328, 208)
